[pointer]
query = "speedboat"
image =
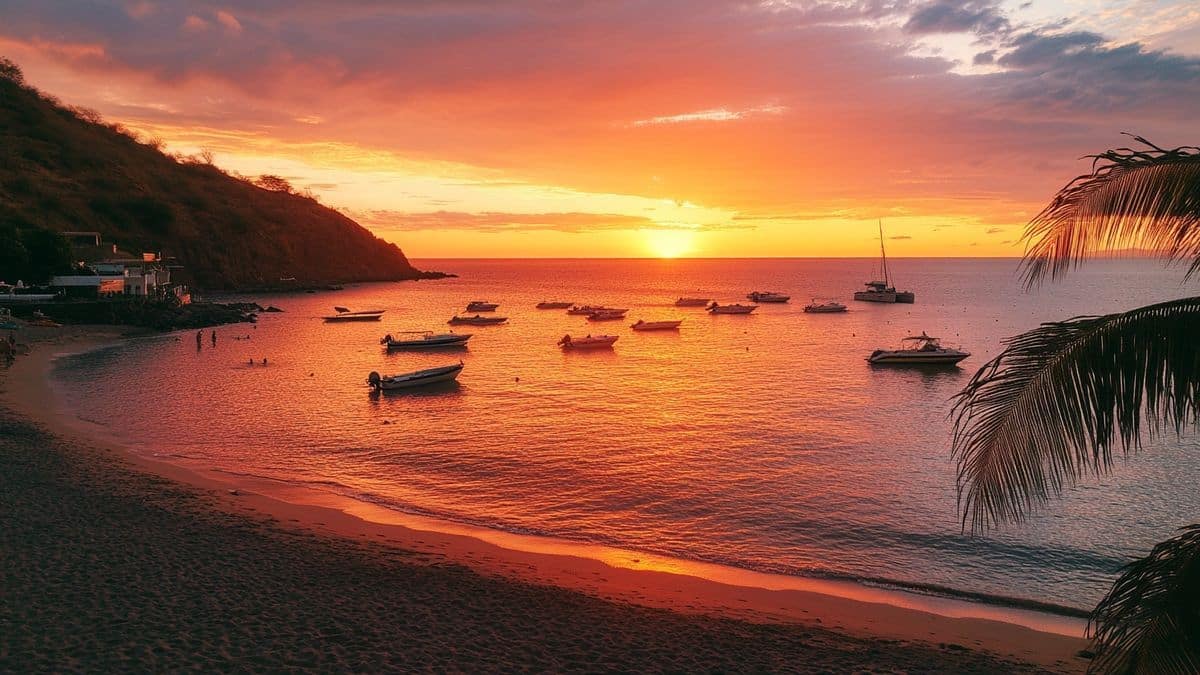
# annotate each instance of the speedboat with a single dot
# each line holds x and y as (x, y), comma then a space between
(418, 378)
(588, 342)
(715, 308)
(884, 291)
(918, 350)
(477, 320)
(482, 306)
(427, 340)
(584, 310)
(607, 315)
(553, 305)
(344, 314)
(692, 302)
(656, 325)
(824, 307)
(759, 296)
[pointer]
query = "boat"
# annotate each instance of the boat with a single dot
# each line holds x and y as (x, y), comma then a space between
(584, 310)
(477, 320)
(588, 342)
(9, 295)
(918, 350)
(427, 340)
(418, 378)
(344, 315)
(715, 308)
(607, 315)
(760, 296)
(884, 291)
(656, 325)
(482, 306)
(554, 305)
(824, 307)
(692, 302)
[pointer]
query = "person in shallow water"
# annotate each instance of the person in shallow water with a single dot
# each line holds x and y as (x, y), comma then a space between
(214, 338)
(199, 339)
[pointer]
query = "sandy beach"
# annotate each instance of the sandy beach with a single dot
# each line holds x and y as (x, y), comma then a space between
(118, 562)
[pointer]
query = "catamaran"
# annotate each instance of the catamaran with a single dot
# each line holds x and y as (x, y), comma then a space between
(918, 350)
(883, 291)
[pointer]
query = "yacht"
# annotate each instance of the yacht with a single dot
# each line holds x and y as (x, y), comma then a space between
(417, 378)
(715, 308)
(692, 302)
(759, 296)
(588, 342)
(426, 340)
(824, 307)
(883, 291)
(482, 306)
(918, 350)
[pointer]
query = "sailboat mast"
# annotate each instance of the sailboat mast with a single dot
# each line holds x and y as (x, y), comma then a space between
(883, 255)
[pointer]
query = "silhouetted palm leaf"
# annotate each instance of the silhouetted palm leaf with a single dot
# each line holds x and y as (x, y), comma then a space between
(1150, 620)
(1058, 399)
(1146, 199)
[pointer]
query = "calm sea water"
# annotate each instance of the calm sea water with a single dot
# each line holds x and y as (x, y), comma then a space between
(763, 441)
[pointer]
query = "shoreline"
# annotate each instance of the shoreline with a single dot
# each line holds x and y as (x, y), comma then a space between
(608, 574)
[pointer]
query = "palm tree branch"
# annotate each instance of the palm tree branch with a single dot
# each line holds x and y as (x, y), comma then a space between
(1147, 199)
(1150, 619)
(1056, 401)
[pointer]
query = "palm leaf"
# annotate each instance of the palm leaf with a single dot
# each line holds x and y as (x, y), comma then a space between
(1053, 405)
(1146, 199)
(1150, 621)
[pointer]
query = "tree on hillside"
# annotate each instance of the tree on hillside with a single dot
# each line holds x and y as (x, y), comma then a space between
(11, 71)
(273, 183)
(1059, 399)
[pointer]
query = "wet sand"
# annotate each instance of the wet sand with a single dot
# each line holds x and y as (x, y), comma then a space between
(111, 561)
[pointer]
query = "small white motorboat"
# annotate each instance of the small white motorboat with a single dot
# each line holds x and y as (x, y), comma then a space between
(715, 308)
(692, 302)
(824, 307)
(418, 378)
(607, 315)
(584, 310)
(477, 320)
(546, 304)
(344, 315)
(427, 340)
(482, 306)
(656, 325)
(760, 296)
(918, 350)
(588, 342)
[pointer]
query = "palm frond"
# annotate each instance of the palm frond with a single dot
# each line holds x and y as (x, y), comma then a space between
(1059, 398)
(1146, 198)
(1150, 621)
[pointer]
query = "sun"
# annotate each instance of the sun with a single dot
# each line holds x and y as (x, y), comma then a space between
(669, 243)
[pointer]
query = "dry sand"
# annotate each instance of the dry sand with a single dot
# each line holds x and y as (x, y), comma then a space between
(112, 561)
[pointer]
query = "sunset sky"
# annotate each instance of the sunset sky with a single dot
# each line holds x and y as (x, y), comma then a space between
(472, 128)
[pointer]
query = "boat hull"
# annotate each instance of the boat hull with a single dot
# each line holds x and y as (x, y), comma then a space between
(656, 325)
(343, 318)
(554, 305)
(439, 343)
(420, 378)
(917, 359)
(875, 296)
(478, 321)
(825, 310)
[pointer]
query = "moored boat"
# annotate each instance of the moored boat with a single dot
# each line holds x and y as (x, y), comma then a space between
(656, 325)
(482, 306)
(761, 296)
(884, 291)
(607, 315)
(716, 308)
(824, 307)
(477, 320)
(587, 342)
(426, 340)
(918, 350)
(692, 302)
(418, 378)
(584, 310)
(344, 315)
(545, 304)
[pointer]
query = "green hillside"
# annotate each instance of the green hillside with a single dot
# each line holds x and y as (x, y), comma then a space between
(65, 169)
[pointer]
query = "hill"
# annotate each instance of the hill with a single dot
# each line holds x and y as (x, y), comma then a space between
(63, 168)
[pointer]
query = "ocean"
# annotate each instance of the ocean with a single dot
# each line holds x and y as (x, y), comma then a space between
(763, 442)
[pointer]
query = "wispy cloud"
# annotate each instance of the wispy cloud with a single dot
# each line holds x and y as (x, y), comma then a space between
(712, 115)
(520, 222)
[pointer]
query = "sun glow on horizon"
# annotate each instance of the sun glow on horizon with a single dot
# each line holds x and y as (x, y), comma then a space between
(669, 243)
